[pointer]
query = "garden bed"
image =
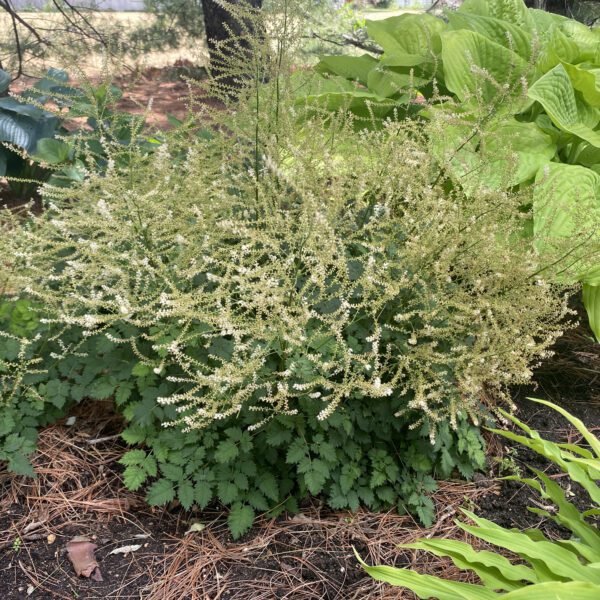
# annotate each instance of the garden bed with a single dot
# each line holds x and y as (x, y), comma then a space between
(79, 492)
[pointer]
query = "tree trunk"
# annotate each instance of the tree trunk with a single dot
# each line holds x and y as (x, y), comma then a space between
(220, 26)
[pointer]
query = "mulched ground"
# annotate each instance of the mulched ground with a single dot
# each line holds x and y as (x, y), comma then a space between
(79, 492)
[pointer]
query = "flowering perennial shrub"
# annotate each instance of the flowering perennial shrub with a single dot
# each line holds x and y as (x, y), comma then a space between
(283, 284)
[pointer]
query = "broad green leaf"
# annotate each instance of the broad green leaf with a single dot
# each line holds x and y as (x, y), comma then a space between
(4, 81)
(407, 40)
(587, 39)
(427, 586)
(556, 94)
(513, 11)
(386, 82)
(354, 68)
(21, 108)
(24, 131)
(3, 161)
(52, 151)
(240, 519)
(591, 301)
(557, 48)
(502, 32)
(566, 211)
(463, 50)
(586, 81)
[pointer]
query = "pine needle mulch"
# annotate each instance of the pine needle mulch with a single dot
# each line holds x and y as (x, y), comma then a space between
(78, 492)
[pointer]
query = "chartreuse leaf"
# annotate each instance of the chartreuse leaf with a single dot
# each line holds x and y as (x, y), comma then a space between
(494, 570)
(585, 80)
(559, 561)
(556, 94)
(566, 208)
(569, 590)
(427, 586)
(557, 48)
(354, 68)
(502, 32)
(407, 40)
(591, 301)
(462, 50)
(590, 438)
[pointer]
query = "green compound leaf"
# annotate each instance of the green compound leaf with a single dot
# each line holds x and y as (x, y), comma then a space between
(240, 519)
(226, 451)
(203, 494)
(134, 476)
(161, 492)
(185, 494)
(267, 484)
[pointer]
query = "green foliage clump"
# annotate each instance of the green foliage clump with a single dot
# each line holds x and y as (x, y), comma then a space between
(516, 95)
(547, 568)
(282, 295)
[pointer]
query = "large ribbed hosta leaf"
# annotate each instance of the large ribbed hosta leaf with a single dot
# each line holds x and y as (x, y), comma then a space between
(566, 212)
(407, 40)
(555, 92)
(502, 32)
(463, 50)
(4, 81)
(24, 131)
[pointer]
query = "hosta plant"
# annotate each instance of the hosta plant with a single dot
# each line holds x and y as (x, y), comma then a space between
(538, 567)
(522, 89)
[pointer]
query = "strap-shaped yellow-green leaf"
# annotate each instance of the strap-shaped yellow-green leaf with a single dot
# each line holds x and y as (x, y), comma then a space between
(572, 590)
(555, 92)
(494, 570)
(590, 438)
(559, 561)
(428, 586)
(465, 52)
(591, 301)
